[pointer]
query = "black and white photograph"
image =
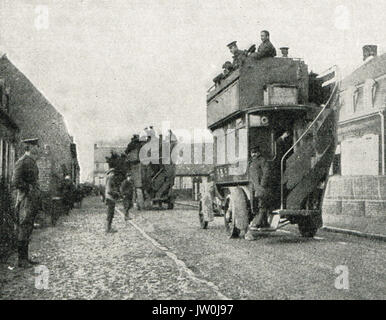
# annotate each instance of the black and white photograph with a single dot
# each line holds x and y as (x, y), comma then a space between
(192, 154)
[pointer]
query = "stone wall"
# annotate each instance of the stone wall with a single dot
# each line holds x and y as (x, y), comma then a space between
(356, 196)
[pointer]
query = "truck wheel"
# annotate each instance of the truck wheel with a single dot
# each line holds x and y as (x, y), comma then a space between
(307, 228)
(203, 223)
(170, 205)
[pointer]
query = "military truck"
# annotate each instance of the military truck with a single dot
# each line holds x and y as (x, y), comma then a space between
(152, 171)
(252, 107)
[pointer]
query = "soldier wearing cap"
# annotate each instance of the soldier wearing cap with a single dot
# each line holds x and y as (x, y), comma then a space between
(228, 68)
(25, 180)
(111, 196)
(239, 56)
(259, 170)
(127, 193)
(265, 49)
(68, 193)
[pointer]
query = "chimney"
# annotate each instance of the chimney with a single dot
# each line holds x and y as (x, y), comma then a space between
(284, 51)
(369, 50)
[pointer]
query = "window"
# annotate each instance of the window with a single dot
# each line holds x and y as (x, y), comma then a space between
(360, 156)
(369, 91)
(186, 183)
(7, 160)
(1, 159)
(349, 100)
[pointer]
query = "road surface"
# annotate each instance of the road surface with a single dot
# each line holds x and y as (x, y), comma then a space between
(163, 254)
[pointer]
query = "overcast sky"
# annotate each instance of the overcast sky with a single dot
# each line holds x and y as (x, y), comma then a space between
(112, 67)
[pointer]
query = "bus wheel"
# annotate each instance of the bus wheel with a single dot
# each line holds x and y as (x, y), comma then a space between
(203, 223)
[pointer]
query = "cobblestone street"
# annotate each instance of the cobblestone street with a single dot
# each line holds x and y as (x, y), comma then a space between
(85, 263)
(164, 254)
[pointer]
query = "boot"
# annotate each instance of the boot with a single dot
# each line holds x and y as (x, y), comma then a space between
(109, 229)
(127, 216)
(256, 221)
(22, 258)
(26, 244)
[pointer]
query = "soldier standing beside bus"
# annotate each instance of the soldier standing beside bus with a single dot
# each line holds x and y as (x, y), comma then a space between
(25, 180)
(260, 175)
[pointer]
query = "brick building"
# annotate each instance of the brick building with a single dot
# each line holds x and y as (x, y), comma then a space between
(8, 139)
(100, 164)
(358, 187)
(36, 117)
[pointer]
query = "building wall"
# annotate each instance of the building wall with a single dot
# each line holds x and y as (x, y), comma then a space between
(36, 117)
(357, 188)
(361, 120)
(8, 139)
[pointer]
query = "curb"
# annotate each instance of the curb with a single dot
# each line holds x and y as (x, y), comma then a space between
(354, 233)
(187, 204)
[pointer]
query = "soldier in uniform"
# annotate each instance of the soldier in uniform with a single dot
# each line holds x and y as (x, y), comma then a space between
(127, 192)
(239, 56)
(260, 175)
(266, 49)
(25, 180)
(68, 192)
(111, 196)
(228, 68)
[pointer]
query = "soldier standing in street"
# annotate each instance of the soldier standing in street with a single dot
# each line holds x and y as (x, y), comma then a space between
(111, 197)
(266, 49)
(68, 192)
(127, 192)
(25, 180)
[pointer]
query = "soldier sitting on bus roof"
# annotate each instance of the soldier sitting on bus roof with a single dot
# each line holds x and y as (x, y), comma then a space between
(239, 56)
(228, 68)
(217, 80)
(266, 49)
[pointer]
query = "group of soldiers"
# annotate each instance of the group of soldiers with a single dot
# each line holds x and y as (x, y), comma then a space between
(265, 49)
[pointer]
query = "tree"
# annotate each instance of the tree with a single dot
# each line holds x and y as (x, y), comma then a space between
(120, 164)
